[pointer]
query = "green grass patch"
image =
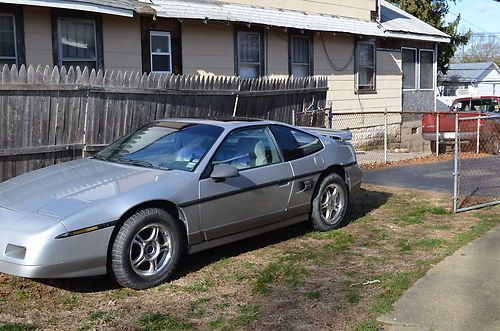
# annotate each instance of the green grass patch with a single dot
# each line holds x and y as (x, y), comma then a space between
(430, 244)
(196, 308)
(371, 325)
(418, 215)
(338, 240)
(216, 324)
(313, 295)
(17, 327)
(403, 245)
(161, 322)
(201, 286)
(246, 315)
(352, 295)
(277, 273)
(19, 294)
(70, 302)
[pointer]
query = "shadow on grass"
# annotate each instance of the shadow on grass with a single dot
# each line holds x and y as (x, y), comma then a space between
(362, 204)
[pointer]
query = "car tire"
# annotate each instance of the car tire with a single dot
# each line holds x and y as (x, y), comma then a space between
(321, 220)
(147, 249)
(442, 147)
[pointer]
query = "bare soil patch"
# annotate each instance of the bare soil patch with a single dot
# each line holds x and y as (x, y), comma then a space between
(291, 279)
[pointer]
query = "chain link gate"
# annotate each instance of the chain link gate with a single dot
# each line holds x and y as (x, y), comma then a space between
(476, 178)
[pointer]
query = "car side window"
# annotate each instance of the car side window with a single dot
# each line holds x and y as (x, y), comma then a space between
(247, 149)
(295, 144)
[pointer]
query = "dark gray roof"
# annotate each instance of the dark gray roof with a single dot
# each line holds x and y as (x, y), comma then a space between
(469, 72)
(398, 23)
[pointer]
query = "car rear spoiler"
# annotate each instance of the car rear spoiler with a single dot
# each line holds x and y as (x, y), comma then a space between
(341, 135)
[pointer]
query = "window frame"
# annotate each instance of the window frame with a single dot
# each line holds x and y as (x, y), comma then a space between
(58, 14)
(272, 140)
(291, 63)
(417, 76)
(237, 62)
(156, 33)
(298, 130)
(357, 68)
(420, 72)
(14, 28)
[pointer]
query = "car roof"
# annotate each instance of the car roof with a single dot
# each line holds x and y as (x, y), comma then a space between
(225, 122)
(475, 98)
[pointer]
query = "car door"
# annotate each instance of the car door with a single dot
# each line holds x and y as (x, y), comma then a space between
(257, 197)
(300, 149)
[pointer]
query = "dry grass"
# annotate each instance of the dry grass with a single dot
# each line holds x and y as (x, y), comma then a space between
(289, 279)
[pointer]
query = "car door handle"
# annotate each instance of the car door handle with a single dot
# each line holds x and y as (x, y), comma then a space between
(284, 184)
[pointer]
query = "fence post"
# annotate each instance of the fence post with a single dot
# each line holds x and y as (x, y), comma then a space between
(455, 165)
(330, 118)
(293, 117)
(385, 136)
(477, 140)
(437, 134)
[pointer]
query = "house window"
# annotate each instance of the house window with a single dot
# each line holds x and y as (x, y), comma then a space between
(366, 73)
(161, 52)
(409, 68)
(300, 56)
(249, 54)
(426, 69)
(77, 43)
(8, 51)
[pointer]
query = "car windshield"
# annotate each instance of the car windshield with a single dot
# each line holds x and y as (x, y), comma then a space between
(479, 105)
(164, 145)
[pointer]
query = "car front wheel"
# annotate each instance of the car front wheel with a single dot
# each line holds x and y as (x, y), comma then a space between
(330, 204)
(147, 249)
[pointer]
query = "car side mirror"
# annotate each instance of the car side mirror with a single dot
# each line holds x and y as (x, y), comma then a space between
(223, 171)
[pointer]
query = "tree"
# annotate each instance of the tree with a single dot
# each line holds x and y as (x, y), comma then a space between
(434, 12)
(481, 48)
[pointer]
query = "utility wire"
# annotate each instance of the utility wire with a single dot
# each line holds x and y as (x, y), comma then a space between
(334, 66)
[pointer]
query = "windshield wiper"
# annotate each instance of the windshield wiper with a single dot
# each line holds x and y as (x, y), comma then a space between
(99, 157)
(138, 163)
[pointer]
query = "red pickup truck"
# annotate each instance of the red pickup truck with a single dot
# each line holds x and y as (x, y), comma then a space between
(466, 107)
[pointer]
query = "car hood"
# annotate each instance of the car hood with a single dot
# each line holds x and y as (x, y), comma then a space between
(63, 189)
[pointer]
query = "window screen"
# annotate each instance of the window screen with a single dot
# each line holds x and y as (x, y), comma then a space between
(300, 56)
(249, 54)
(426, 70)
(77, 40)
(409, 69)
(366, 66)
(7, 40)
(161, 54)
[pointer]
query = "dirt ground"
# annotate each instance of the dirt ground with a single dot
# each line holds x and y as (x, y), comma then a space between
(290, 279)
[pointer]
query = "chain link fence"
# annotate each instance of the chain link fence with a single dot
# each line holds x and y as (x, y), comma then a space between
(385, 137)
(477, 161)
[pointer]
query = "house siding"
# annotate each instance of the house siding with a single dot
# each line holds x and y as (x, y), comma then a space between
(38, 36)
(122, 43)
(349, 8)
(121, 39)
(207, 49)
(342, 94)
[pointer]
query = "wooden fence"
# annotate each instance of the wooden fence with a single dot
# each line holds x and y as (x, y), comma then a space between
(49, 115)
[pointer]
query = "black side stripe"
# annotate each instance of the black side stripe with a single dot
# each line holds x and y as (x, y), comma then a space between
(247, 189)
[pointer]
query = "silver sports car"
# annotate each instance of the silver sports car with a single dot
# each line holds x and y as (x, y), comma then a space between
(173, 186)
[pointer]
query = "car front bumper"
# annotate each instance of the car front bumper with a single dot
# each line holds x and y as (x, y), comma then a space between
(29, 248)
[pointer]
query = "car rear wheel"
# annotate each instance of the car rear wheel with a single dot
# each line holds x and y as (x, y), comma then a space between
(330, 204)
(147, 249)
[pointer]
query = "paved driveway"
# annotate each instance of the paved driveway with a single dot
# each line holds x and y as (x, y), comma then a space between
(438, 177)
